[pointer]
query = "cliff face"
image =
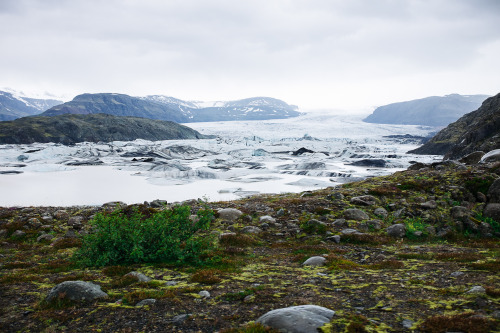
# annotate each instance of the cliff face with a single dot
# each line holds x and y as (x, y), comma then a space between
(72, 128)
(476, 131)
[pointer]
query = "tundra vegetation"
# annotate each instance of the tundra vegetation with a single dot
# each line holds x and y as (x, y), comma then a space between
(414, 251)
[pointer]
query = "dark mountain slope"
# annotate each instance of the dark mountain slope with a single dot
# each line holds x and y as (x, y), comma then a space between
(117, 105)
(72, 128)
(429, 111)
(476, 131)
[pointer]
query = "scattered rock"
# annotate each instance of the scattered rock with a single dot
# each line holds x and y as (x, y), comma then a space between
(179, 319)
(280, 212)
(340, 224)
(139, 276)
(61, 215)
(335, 239)
(78, 291)
(44, 238)
(315, 261)
(297, 319)
(485, 229)
(267, 219)
(494, 191)
(18, 234)
(431, 204)
(371, 225)
(34, 223)
(171, 283)
(381, 212)
(457, 274)
(396, 230)
(76, 222)
(204, 294)
(355, 214)
(460, 213)
(492, 210)
(114, 205)
(364, 200)
(147, 301)
(251, 230)
(476, 290)
(406, 323)
(336, 196)
(158, 203)
(444, 232)
(349, 231)
(229, 214)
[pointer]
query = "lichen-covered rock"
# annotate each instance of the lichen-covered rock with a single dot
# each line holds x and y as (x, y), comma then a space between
(315, 261)
(460, 213)
(431, 204)
(147, 301)
(371, 225)
(61, 215)
(229, 214)
(76, 222)
(494, 192)
(267, 219)
(472, 158)
(381, 212)
(396, 230)
(355, 214)
(492, 210)
(297, 319)
(251, 230)
(139, 276)
(78, 291)
(340, 224)
(364, 200)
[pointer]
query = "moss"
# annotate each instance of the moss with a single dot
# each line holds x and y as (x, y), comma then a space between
(465, 322)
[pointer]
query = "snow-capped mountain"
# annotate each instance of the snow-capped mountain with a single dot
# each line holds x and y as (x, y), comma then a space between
(13, 106)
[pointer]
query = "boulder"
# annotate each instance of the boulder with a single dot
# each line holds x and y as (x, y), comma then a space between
(396, 230)
(315, 261)
(229, 214)
(377, 163)
(297, 319)
(77, 291)
(340, 224)
(364, 200)
(76, 222)
(431, 204)
(492, 210)
(371, 225)
(61, 215)
(472, 158)
(355, 214)
(139, 276)
(381, 212)
(267, 219)
(335, 239)
(349, 231)
(147, 301)
(251, 230)
(494, 192)
(460, 213)
(492, 156)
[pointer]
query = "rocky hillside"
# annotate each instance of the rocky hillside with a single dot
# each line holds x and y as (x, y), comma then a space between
(172, 109)
(13, 107)
(476, 131)
(429, 111)
(72, 128)
(416, 251)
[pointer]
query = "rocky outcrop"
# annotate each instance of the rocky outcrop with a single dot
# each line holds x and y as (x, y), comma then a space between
(73, 128)
(476, 131)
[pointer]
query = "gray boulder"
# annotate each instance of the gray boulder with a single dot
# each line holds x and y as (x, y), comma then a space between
(492, 156)
(396, 230)
(297, 319)
(147, 301)
(355, 214)
(472, 158)
(431, 204)
(364, 200)
(229, 214)
(340, 224)
(78, 291)
(61, 215)
(139, 276)
(460, 213)
(267, 219)
(315, 261)
(381, 212)
(251, 230)
(492, 210)
(494, 192)
(371, 225)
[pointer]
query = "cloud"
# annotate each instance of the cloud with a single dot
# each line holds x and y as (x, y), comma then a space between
(291, 49)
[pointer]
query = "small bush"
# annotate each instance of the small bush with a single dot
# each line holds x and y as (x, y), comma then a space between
(207, 276)
(413, 225)
(165, 236)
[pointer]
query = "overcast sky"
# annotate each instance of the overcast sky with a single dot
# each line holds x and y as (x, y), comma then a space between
(312, 53)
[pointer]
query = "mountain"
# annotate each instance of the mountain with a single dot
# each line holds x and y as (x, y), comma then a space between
(117, 105)
(72, 128)
(476, 131)
(13, 106)
(429, 111)
(173, 109)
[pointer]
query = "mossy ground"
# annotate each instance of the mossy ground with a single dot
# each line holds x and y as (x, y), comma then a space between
(373, 283)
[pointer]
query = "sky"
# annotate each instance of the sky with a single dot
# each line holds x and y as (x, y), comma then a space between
(317, 54)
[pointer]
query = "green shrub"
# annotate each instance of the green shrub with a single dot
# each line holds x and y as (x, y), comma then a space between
(413, 225)
(131, 237)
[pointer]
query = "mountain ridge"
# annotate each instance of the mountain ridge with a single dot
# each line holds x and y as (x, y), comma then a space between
(13, 106)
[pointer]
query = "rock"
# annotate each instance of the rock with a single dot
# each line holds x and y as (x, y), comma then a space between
(76, 222)
(280, 212)
(431, 230)
(112, 205)
(78, 291)
(158, 203)
(494, 192)
(315, 261)
(349, 231)
(302, 151)
(267, 219)
(364, 200)
(460, 213)
(204, 294)
(18, 234)
(476, 290)
(251, 230)
(396, 230)
(229, 214)
(336, 196)
(371, 225)
(406, 323)
(44, 238)
(179, 319)
(472, 158)
(34, 223)
(431, 204)
(61, 215)
(485, 229)
(147, 301)
(297, 319)
(377, 163)
(3, 233)
(340, 224)
(315, 223)
(481, 197)
(457, 274)
(171, 283)
(381, 212)
(139, 276)
(355, 214)
(335, 239)
(492, 156)
(492, 210)
(444, 232)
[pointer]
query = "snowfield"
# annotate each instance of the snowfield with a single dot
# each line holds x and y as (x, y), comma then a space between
(247, 157)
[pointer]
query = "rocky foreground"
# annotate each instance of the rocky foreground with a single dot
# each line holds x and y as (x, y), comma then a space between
(416, 251)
